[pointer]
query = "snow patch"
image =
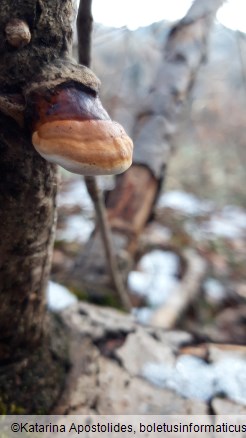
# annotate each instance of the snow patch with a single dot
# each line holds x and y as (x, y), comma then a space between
(143, 314)
(221, 227)
(214, 290)
(75, 195)
(59, 297)
(155, 280)
(186, 203)
(229, 223)
(76, 228)
(193, 378)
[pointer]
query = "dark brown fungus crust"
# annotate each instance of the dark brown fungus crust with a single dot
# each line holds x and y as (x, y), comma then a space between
(65, 102)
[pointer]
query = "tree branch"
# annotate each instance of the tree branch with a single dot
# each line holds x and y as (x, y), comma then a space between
(84, 28)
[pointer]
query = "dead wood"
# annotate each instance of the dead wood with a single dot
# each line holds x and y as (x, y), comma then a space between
(131, 203)
(183, 295)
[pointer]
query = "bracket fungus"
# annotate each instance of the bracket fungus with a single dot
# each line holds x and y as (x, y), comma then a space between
(71, 128)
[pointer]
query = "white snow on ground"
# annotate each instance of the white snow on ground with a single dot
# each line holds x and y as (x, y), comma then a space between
(59, 297)
(219, 226)
(236, 215)
(224, 224)
(214, 290)
(155, 279)
(76, 229)
(143, 314)
(186, 203)
(229, 222)
(193, 378)
(75, 195)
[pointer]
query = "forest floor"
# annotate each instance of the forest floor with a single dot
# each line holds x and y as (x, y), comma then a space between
(184, 230)
(193, 246)
(120, 367)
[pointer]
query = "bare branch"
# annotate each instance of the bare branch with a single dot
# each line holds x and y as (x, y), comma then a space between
(84, 28)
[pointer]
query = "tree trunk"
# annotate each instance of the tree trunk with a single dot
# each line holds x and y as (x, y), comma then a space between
(28, 186)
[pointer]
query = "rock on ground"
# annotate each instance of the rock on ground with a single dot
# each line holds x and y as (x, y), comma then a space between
(109, 351)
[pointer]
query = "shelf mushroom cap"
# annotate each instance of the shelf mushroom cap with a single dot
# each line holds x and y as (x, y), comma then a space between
(88, 147)
(71, 128)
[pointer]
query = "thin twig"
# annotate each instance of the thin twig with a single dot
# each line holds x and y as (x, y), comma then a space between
(96, 196)
(84, 28)
(242, 61)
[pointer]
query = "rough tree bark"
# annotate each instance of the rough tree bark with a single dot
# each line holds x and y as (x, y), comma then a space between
(130, 205)
(33, 35)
